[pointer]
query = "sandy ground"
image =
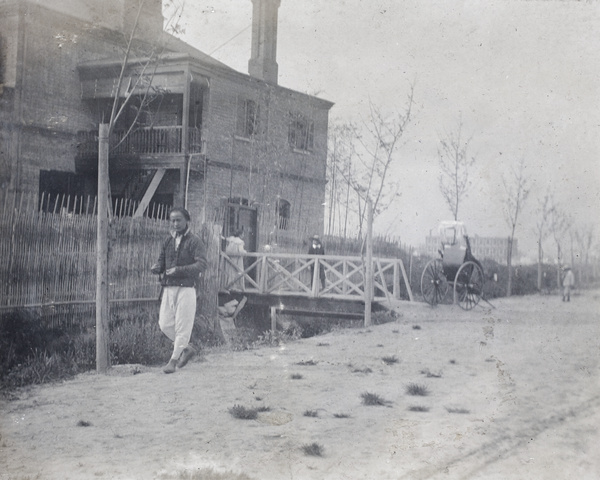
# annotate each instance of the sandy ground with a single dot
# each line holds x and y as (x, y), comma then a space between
(514, 394)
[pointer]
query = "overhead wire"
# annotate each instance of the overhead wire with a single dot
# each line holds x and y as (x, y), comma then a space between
(232, 38)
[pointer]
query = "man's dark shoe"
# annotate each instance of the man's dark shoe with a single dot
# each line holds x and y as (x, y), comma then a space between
(186, 356)
(170, 367)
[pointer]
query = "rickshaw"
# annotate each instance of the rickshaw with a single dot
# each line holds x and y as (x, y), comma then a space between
(456, 266)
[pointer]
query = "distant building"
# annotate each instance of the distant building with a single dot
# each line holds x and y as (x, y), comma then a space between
(493, 248)
(232, 147)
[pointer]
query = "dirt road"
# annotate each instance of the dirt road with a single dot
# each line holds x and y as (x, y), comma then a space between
(513, 393)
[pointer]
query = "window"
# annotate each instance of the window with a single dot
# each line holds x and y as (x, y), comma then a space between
(247, 118)
(283, 208)
(302, 131)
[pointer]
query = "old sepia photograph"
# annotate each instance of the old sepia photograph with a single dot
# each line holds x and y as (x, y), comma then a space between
(299, 239)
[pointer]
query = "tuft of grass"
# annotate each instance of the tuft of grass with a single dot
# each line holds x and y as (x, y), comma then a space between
(452, 362)
(416, 327)
(258, 399)
(361, 370)
(416, 389)
(322, 344)
(390, 360)
(395, 331)
(313, 449)
(418, 408)
(341, 415)
(307, 362)
(457, 410)
(379, 318)
(311, 413)
(84, 423)
(430, 374)
(296, 376)
(243, 413)
(262, 409)
(372, 399)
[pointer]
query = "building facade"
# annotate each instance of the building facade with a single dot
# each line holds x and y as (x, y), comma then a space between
(232, 147)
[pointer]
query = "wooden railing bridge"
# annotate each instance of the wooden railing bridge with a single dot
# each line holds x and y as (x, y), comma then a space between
(299, 275)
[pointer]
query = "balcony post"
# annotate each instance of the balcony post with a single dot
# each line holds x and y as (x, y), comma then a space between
(185, 123)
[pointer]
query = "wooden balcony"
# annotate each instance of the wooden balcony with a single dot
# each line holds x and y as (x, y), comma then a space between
(142, 142)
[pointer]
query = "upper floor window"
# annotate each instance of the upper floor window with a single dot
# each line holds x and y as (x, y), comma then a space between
(247, 118)
(302, 132)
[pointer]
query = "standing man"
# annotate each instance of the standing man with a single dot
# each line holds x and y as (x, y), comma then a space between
(182, 259)
(568, 284)
(316, 248)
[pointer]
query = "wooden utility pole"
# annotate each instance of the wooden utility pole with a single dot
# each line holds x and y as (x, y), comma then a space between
(369, 264)
(102, 307)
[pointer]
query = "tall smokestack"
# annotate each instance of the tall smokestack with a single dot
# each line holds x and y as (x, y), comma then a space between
(263, 60)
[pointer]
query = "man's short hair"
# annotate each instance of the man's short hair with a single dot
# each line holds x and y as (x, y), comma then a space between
(183, 211)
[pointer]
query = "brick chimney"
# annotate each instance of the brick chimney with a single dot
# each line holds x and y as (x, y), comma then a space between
(263, 60)
(151, 20)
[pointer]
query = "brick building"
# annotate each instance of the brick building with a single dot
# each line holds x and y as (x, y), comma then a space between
(230, 146)
(493, 248)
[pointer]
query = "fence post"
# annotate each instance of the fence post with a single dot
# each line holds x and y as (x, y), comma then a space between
(369, 266)
(263, 275)
(273, 321)
(316, 280)
(102, 307)
(396, 288)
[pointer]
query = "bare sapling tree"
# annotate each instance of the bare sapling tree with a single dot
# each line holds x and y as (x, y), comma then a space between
(339, 170)
(560, 223)
(139, 84)
(542, 230)
(584, 238)
(373, 146)
(516, 189)
(455, 165)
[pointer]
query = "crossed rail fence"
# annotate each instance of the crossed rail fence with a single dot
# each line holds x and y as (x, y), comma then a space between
(300, 275)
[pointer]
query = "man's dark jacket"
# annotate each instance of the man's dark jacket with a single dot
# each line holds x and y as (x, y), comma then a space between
(189, 259)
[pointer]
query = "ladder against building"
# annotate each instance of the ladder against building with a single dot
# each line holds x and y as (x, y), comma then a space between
(291, 283)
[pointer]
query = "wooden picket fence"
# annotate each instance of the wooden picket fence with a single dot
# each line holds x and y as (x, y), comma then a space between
(48, 256)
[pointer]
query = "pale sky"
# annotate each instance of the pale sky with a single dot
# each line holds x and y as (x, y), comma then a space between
(524, 75)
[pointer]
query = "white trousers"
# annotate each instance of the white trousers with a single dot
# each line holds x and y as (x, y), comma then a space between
(176, 318)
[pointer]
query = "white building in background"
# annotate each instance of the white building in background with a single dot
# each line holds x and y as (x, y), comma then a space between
(493, 248)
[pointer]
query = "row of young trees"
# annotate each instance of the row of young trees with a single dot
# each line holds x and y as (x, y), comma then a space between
(362, 156)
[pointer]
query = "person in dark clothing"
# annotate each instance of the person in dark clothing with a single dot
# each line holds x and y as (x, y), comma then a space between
(316, 248)
(182, 259)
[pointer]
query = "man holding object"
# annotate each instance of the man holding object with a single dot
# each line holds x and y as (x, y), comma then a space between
(182, 259)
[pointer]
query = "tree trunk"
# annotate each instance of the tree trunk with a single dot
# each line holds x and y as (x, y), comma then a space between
(102, 307)
(509, 264)
(539, 270)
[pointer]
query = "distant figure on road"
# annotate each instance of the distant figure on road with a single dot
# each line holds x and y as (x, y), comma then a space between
(235, 250)
(182, 259)
(568, 284)
(316, 248)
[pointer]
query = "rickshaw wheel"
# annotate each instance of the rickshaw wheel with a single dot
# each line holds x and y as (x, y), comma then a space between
(434, 285)
(468, 285)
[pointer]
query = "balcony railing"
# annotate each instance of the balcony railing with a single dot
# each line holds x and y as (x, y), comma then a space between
(143, 141)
